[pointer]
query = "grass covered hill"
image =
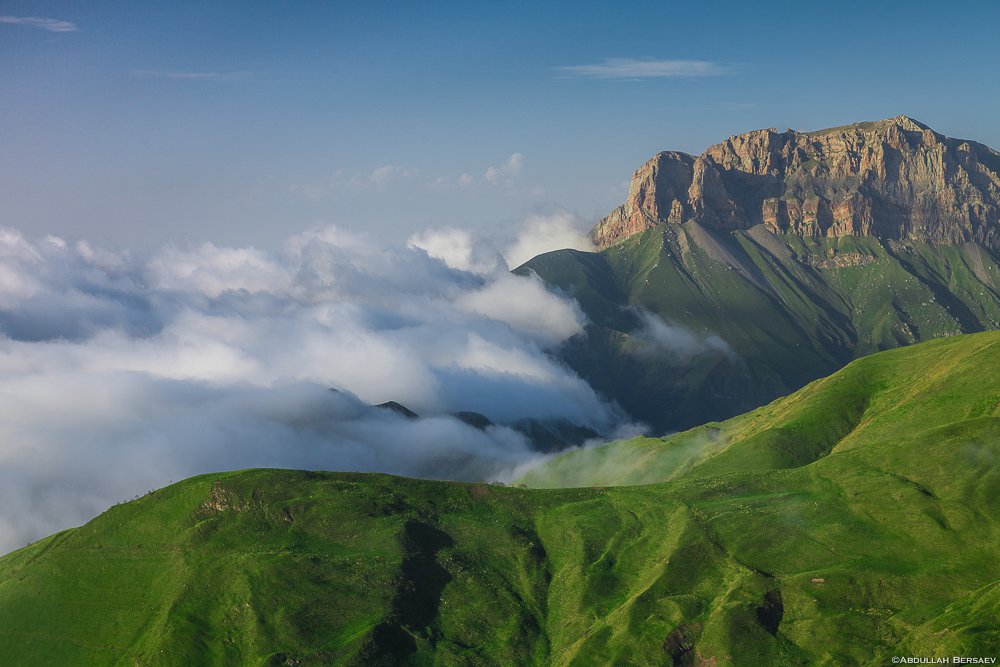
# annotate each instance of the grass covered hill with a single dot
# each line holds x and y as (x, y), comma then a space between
(789, 308)
(852, 521)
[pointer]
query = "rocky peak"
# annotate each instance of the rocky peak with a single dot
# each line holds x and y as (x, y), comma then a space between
(653, 191)
(894, 178)
(908, 124)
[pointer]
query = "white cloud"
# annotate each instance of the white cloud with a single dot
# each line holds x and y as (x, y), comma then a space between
(212, 271)
(465, 179)
(456, 248)
(123, 372)
(657, 337)
(544, 233)
(121, 434)
(385, 173)
(52, 25)
(525, 304)
(646, 68)
(507, 171)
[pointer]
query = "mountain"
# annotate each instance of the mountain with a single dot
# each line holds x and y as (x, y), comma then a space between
(731, 278)
(891, 179)
(855, 520)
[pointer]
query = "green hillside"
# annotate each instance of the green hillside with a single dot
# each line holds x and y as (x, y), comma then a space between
(791, 310)
(855, 520)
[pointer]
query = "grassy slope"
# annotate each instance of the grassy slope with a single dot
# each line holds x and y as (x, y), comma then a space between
(788, 317)
(856, 519)
(885, 473)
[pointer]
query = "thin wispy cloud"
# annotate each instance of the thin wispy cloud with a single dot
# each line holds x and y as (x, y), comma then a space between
(191, 76)
(387, 172)
(391, 176)
(505, 172)
(647, 68)
(52, 25)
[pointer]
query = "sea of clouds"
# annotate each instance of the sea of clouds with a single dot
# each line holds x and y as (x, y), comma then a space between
(121, 372)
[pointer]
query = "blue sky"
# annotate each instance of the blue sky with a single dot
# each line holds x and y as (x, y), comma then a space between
(242, 123)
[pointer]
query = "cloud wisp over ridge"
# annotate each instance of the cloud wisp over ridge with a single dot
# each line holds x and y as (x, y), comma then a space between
(544, 233)
(646, 68)
(124, 372)
(42, 23)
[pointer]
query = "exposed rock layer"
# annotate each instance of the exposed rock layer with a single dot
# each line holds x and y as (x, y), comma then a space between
(893, 179)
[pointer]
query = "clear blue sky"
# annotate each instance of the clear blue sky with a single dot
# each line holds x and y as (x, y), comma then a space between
(132, 122)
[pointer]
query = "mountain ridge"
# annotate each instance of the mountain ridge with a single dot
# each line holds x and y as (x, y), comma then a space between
(894, 398)
(893, 179)
(790, 309)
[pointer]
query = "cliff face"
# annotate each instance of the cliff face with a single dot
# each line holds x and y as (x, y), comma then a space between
(893, 179)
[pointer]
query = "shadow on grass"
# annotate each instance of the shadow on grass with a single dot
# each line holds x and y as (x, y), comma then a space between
(417, 598)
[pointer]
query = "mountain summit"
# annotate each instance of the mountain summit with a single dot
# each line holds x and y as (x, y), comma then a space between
(894, 179)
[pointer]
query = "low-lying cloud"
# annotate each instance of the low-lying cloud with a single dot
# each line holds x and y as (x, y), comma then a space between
(537, 234)
(657, 337)
(543, 233)
(122, 372)
(457, 248)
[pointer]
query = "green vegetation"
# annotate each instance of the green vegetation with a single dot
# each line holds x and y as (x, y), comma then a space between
(863, 126)
(854, 520)
(791, 310)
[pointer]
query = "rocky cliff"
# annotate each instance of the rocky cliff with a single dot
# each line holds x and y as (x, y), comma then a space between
(892, 179)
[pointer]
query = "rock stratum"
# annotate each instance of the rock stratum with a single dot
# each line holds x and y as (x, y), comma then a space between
(892, 179)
